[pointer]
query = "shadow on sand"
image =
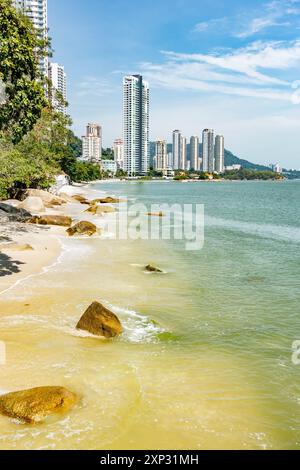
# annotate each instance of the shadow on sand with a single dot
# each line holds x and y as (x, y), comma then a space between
(8, 266)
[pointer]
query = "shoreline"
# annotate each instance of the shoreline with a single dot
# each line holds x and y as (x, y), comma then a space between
(28, 250)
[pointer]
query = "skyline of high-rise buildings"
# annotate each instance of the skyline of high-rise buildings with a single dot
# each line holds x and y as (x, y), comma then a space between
(219, 154)
(136, 103)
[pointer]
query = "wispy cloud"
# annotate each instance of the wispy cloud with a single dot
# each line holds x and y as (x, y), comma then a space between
(253, 71)
(245, 24)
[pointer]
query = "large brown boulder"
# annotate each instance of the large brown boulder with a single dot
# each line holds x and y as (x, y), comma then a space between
(34, 405)
(81, 199)
(48, 199)
(82, 228)
(100, 321)
(60, 220)
(100, 210)
(107, 200)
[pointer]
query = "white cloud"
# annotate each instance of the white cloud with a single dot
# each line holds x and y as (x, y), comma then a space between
(242, 72)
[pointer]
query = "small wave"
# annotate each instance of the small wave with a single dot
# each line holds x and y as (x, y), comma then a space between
(137, 328)
(281, 232)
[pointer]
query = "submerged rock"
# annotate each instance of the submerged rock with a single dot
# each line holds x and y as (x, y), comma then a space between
(156, 214)
(34, 405)
(82, 228)
(33, 204)
(13, 214)
(48, 199)
(100, 321)
(60, 220)
(153, 269)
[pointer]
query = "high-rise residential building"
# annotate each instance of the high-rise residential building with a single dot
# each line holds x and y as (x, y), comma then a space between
(119, 153)
(183, 158)
(208, 143)
(194, 153)
(161, 155)
(219, 154)
(36, 10)
(177, 147)
(58, 78)
(136, 125)
(92, 143)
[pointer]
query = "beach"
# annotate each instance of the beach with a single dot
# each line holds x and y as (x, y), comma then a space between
(204, 361)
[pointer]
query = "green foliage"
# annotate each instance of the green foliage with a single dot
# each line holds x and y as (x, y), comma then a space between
(19, 171)
(21, 82)
(108, 154)
(121, 173)
(245, 174)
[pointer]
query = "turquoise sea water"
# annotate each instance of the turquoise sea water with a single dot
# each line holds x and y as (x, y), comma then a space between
(239, 296)
(205, 360)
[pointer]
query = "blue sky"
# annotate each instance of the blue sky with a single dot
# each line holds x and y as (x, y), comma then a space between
(230, 65)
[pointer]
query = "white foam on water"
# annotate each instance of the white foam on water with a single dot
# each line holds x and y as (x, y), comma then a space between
(137, 328)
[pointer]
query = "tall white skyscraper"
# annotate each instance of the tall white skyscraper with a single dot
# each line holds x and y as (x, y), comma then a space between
(119, 153)
(208, 142)
(36, 10)
(58, 78)
(177, 147)
(92, 143)
(219, 154)
(161, 155)
(194, 153)
(136, 125)
(183, 158)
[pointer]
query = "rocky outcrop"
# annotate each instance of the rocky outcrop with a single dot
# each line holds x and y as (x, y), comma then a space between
(49, 200)
(13, 214)
(33, 204)
(82, 228)
(100, 210)
(100, 321)
(15, 247)
(34, 405)
(153, 269)
(60, 220)
(12, 202)
(156, 214)
(81, 199)
(107, 200)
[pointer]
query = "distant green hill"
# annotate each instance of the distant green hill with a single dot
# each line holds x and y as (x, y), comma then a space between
(230, 158)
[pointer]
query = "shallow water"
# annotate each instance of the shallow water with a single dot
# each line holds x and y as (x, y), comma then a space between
(205, 358)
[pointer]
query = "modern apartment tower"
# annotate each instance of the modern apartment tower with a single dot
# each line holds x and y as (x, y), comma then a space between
(208, 142)
(161, 155)
(92, 144)
(136, 125)
(119, 153)
(183, 159)
(36, 10)
(177, 147)
(58, 78)
(219, 154)
(194, 153)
